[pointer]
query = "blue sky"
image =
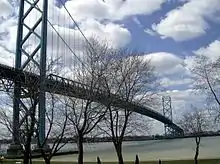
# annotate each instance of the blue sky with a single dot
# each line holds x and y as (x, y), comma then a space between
(170, 33)
(148, 43)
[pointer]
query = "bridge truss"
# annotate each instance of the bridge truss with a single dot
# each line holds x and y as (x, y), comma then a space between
(59, 85)
(36, 57)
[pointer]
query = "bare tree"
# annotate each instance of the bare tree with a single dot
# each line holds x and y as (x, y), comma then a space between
(29, 124)
(57, 129)
(85, 114)
(206, 80)
(28, 109)
(83, 117)
(5, 121)
(132, 80)
(195, 122)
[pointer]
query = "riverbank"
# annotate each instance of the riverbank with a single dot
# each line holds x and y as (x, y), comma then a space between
(201, 161)
(166, 150)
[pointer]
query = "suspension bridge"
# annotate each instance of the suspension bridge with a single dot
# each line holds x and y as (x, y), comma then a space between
(39, 37)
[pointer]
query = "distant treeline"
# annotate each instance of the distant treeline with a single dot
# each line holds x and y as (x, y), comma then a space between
(126, 138)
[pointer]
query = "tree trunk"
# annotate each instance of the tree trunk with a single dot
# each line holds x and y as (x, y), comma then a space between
(80, 147)
(26, 157)
(197, 154)
(27, 150)
(47, 160)
(197, 150)
(118, 148)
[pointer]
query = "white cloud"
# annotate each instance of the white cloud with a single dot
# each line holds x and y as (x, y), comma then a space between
(111, 9)
(9, 38)
(117, 35)
(189, 62)
(5, 8)
(166, 82)
(150, 32)
(136, 20)
(182, 101)
(188, 21)
(166, 63)
(6, 24)
(175, 73)
(212, 50)
(172, 70)
(6, 57)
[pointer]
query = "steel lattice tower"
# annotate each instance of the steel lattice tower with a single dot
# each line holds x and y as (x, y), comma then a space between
(24, 58)
(167, 112)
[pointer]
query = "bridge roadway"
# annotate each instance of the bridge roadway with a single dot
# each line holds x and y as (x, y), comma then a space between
(63, 86)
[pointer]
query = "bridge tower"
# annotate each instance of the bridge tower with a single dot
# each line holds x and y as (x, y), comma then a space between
(167, 112)
(36, 56)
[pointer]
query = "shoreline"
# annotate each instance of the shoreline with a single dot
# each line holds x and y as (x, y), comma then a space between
(184, 161)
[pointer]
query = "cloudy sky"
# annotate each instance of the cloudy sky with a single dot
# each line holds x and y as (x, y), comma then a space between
(170, 32)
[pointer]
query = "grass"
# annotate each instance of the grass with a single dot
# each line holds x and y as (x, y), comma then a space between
(201, 161)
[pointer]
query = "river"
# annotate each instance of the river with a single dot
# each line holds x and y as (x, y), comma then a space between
(147, 150)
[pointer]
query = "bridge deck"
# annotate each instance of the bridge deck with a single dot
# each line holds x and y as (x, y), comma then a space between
(62, 86)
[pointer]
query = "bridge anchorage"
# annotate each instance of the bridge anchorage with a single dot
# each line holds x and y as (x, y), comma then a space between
(23, 80)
